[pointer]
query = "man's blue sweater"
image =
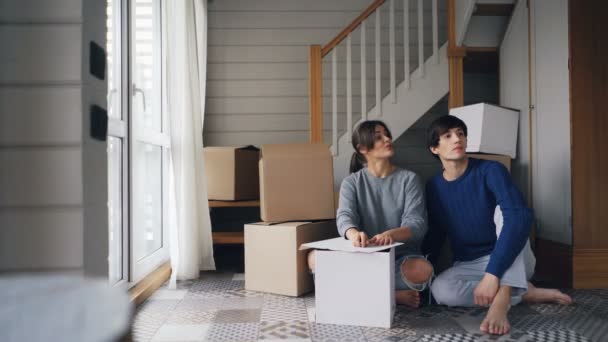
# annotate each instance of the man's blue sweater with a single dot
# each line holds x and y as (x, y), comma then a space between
(464, 209)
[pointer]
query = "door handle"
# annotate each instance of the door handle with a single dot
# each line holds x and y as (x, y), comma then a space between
(136, 90)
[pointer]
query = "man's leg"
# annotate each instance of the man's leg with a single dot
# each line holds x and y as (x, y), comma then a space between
(534, 294)
(542, 295)
(496, 321)
(455, 286)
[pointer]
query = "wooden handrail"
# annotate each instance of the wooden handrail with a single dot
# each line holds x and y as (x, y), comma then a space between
(451, 24)
(455, 61)
(315, 79)
(351, 27)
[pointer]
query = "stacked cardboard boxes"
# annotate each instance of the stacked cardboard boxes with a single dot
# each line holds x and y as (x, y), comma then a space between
(296, 183)
(296, 207)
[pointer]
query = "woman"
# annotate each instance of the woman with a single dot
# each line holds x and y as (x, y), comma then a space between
(381, 203)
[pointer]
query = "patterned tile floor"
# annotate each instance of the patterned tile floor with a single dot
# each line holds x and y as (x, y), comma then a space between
(216, 307)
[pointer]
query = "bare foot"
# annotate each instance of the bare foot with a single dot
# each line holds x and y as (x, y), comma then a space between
(312, 263)
(496, 321)
(540, 295)
(410, 298)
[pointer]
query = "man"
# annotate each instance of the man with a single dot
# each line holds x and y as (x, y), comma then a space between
(461, 201)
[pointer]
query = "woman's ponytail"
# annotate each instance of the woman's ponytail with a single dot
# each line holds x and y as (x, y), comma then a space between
(356, 162)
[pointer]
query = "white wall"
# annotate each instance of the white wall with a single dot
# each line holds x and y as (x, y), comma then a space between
(257, 90)
(94, 152)
(485, 31)
(44, 149)
(464, 11)
(552, 172)
(514, 90)
(551, 182)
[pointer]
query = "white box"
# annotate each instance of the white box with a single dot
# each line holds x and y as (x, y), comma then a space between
(491, 129)
(354, 286)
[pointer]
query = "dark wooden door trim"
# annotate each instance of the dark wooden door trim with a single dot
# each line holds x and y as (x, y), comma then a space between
(589, 124)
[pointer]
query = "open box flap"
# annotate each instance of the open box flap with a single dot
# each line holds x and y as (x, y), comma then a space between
(341, 244)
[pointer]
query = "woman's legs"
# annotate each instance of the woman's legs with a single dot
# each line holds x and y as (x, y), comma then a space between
(311, 261)
(417, 272)
(410, 298)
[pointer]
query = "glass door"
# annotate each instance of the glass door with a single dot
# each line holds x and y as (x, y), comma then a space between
(150, 141)
(138, 142)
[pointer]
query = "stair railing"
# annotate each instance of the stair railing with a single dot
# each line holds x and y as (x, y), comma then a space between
(318, 53)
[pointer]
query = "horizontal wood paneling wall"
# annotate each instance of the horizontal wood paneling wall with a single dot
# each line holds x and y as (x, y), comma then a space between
(41, 179)
(34, 125)
(257, 90)
(58, 44)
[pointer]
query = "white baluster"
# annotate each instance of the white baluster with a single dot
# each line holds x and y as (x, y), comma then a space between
(349, 91)
(406, 43)
(363, 74)
(420, 39)
(435, 33)
(334, 101)
(378, 70)
(391, 37)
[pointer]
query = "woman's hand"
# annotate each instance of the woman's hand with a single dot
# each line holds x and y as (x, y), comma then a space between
(358, 238)
(382, 239)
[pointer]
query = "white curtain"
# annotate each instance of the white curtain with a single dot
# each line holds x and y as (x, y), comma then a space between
(186, 61)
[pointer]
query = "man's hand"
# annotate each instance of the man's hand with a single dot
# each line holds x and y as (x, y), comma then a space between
(358, 238)
(382, 239)
(486, 290)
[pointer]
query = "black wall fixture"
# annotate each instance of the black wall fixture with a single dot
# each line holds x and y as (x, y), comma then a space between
(99, 123)
(97, 60)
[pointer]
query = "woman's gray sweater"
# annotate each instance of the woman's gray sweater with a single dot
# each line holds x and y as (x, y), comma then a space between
(375, 205)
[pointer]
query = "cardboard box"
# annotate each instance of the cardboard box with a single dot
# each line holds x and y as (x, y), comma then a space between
(296, 183)
(504, 160)
(354, 286)
(273, 261)
(232, 173)
(491, 129)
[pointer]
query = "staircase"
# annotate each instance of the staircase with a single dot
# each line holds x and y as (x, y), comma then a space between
(412, 102)
(423, 76)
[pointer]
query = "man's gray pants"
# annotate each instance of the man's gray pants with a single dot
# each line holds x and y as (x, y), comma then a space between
(455, 286)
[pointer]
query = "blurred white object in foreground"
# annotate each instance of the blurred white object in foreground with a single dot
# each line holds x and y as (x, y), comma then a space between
(61, 308)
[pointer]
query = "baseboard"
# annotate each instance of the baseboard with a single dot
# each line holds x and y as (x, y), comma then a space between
(553, 263)
(146, 287)
(590, 268)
